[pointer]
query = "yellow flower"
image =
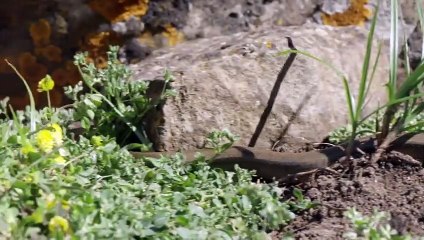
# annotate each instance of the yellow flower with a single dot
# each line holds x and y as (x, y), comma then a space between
(27, 179)
(58, 222)
(65, 205)
(97, 141)
(59, 160)
(46, 84)
(45, 140)
(50, 200)
(28, 148)
(57, 134)
(33, 177)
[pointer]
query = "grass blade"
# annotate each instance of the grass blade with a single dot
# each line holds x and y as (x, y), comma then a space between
(307, 54)
(394, 46)
(373, 70)
(31, 97)
(365, 66)
(421, 18)
(411, 82)
(350, 101)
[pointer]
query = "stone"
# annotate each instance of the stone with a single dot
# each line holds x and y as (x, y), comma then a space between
(224, 83)
(408, 19)
(221, 17)
(408, 16)
(415, 41)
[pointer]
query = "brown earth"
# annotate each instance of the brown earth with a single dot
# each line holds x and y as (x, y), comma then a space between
(395, 186)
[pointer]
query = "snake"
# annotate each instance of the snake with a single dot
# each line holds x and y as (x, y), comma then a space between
(270, 164)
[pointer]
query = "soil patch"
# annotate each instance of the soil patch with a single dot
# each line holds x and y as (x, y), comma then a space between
(396, 186)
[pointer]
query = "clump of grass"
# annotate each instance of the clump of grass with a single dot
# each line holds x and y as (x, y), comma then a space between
(403, 110)
(403, 98)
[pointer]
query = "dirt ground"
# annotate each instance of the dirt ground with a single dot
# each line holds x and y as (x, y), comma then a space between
(395, 186)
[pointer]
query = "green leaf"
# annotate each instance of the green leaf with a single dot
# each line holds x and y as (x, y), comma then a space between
(90, 114)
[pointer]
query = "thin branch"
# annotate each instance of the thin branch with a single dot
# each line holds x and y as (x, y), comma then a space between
(274, 93)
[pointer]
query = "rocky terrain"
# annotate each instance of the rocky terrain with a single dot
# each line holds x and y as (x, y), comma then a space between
(42, 37)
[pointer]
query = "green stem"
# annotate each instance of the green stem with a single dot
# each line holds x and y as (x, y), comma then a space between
(31, 97)
(48, 100)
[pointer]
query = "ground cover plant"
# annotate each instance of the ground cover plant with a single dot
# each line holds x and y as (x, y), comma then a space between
(56, 185)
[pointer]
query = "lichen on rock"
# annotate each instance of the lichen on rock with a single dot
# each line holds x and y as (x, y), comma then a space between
(356, 14)
(119, 10)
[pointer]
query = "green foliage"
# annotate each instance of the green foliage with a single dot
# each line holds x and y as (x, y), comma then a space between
(55, 187)
(355, 107)
(114, 105)
(301, 202)
(220, 140)
(403, 110)
(374, 227)
(368, 128)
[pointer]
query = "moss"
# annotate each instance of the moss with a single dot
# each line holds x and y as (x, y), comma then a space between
(119, 10)
(356, 14)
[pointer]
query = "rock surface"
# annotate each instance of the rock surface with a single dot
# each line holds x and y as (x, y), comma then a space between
(138, 26)
(224, 82)
(408, 19)
(221, 17)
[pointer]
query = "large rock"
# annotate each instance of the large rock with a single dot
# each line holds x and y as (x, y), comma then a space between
(408, 19)
(225, 82)
(221, 17)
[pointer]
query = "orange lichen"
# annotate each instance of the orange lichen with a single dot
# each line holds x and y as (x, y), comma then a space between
(72, 72)
(26, 59)
(30, 69)
(56, 97)
(34, 72)
(60, 76)
(52, 53)
(119, 10)
(356, 14)
(172, 35)
(65, 76)
(40, 32)
(147, 38)
(97, 45)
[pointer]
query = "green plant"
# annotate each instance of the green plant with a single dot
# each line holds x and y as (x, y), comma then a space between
(301, 202)
(355, 107)
(113, 105)
(405, 95)
(402, 111)
(53, 186)
(368, 128)
(374, 227)
(220, 140)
